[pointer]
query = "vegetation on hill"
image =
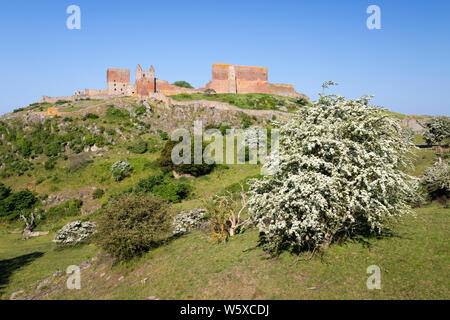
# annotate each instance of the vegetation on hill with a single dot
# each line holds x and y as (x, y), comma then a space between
(255, 101)
(59, 168)
(183, 84)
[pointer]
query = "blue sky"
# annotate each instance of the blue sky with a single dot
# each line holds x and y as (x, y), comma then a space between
(305, 43)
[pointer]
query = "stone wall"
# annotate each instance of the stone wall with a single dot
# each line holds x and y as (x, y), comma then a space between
(228, 78)
(118, 81)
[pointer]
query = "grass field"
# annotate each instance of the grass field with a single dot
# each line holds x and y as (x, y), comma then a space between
(414, 264)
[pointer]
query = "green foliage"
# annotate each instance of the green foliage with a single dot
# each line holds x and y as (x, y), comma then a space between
(183, 84)
(90, 116)
(67, 209)
(168, 190)
(173, 192)
(90, 141)
(114, 113)
(4, 191)
(50, 164)
(163, 135)
(16, 203)
(139, 146)
(196, 170)
(52, 150)
(255, 101)
(132, 225)
(98, 193)
(246, 121)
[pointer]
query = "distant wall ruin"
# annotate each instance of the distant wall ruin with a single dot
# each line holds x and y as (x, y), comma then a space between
(227, 78)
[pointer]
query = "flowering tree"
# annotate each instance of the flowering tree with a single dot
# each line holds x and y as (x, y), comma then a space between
(437, 130)
(338, 173)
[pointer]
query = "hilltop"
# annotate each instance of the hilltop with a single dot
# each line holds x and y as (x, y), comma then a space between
(63, 152)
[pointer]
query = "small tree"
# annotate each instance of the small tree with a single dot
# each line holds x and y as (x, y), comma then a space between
(339, 172)
(131, 225)
(436, 179)
(437, 130)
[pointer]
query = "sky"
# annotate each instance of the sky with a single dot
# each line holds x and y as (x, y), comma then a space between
(405, 64)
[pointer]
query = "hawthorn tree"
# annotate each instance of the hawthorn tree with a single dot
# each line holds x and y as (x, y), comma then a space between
(437, 130)
(339, 172)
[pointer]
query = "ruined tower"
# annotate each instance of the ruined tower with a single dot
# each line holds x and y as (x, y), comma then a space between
(118, 81)
(145, 81)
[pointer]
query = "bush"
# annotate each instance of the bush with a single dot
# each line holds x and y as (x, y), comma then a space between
(50, 164)
(187, 221)
(436, 180)
(146, 185)
(138, 147)
(437, 130)
(131, 225)
(98, 193)
(170, 191)
(196, 170)
(74, 233)
(183, 84)
(90, 116)
(120, 170)
(15, 203)
(173, 192)
(339, 173)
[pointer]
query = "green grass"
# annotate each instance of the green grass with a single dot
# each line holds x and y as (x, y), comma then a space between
(256, 101)
(414, 264)
(70, 109)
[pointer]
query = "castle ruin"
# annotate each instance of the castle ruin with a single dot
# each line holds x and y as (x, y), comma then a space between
(226, 78)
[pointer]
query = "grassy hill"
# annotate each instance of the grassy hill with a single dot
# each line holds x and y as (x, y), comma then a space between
(55, 158)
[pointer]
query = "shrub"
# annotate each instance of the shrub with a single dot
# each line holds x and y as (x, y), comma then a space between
(163, 135)
(183, 84)
(339, 173)
(437, 130)
(50, 164)
(98, 193)
(146, 185)
(196, 170)
(139, 147)
(170, 191)
(4, 191)
(436, 179)
(74, 233)
(90, 116)
(131, 225)
(173, 192)
(120, 170)
(15, 203)
(187, 221)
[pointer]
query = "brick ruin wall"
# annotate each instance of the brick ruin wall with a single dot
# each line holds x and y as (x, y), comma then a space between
(228, 78)
(118, 81)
